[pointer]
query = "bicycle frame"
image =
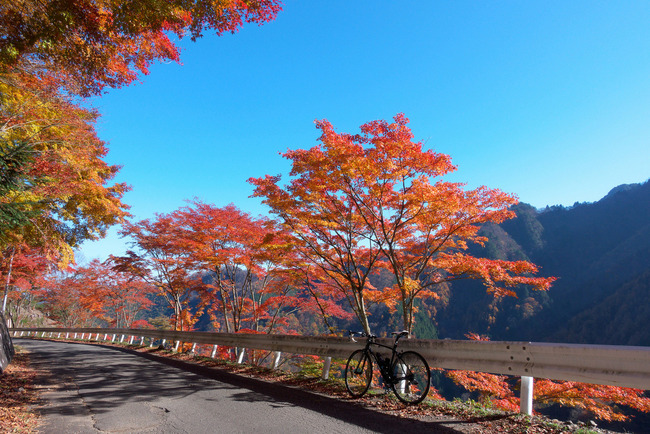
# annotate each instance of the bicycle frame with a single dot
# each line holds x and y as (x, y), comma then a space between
(385, 370)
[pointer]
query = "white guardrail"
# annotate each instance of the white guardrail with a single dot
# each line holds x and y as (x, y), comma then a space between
(622, 366)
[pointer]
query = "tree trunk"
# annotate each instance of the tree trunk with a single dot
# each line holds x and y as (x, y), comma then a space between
(8, 280)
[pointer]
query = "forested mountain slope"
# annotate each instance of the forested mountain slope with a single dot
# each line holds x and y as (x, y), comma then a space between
(600, 253)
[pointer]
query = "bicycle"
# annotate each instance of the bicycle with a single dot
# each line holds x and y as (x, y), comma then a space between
(407, 373)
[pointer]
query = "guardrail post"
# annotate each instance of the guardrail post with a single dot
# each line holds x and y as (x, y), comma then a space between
(113, 337)
(401, 371)
(276, 359)
(142, 341)
(193, 348)
(131, 340)
(240, 357)
(526, 396)
(176, 346)
(163, 342)
(151, 343)
(214, 351)
(326, 368)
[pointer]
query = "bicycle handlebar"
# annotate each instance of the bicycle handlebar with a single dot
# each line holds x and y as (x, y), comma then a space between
(397, 335)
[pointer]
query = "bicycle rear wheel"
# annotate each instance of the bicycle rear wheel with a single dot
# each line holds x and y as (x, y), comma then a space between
(358, 373)
(412, 377)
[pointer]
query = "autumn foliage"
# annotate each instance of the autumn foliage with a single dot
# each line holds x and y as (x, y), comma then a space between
(601, 401)
(92, 295)
(356, 203)
(244, 261)
(56, 190)
(159, 260)
(87, 45)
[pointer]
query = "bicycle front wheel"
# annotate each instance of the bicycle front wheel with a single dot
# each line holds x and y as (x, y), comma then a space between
(358, 373)
(412, 377)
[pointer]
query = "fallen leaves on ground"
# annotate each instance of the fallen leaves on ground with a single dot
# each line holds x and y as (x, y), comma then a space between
(17, 396)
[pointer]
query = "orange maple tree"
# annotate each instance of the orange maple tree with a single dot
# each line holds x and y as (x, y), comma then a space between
(245, 261)
(112, 296)
(161, 261)
(21, 270)
(63, 298)
(330, 235)
(375, 199)
(94, 294)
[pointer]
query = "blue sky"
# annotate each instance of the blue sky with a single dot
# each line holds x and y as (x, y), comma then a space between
(549, 100)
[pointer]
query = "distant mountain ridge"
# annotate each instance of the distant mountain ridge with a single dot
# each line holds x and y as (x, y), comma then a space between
(600, 253)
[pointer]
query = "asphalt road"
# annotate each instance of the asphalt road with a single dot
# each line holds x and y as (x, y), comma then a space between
(93, 389)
